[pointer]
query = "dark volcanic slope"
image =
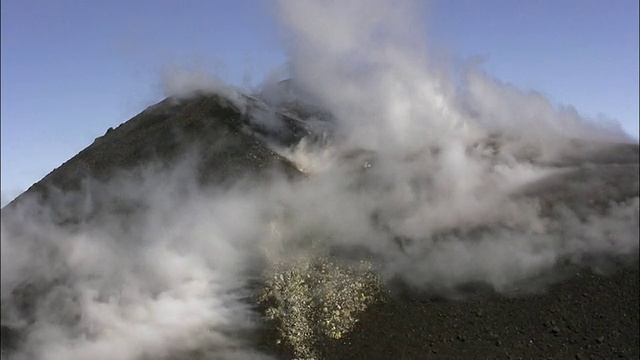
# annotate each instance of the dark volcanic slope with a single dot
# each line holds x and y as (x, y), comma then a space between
(222, 136)
(586, 315)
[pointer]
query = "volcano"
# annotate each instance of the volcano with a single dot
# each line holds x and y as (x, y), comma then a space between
(204, 228)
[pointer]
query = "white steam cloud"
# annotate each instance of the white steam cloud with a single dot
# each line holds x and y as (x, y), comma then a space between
(182, 83)
(168, 278)
(441, 184)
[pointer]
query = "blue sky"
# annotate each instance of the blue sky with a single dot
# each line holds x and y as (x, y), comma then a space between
(71, 69)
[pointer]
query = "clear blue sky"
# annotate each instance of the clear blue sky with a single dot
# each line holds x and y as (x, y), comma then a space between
(71, 69)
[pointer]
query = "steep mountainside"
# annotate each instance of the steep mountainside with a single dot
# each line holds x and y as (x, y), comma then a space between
(118, 232)
(225, 139)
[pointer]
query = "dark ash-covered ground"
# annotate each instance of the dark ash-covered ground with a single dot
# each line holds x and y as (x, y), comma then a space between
(585, 316)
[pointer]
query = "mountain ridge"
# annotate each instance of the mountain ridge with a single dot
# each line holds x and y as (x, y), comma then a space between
(224, 142)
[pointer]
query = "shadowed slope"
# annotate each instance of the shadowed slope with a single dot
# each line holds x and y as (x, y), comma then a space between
(222, 138)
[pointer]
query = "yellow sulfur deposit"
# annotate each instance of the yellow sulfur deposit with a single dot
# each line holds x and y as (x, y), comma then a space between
(315, 296)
